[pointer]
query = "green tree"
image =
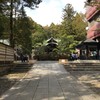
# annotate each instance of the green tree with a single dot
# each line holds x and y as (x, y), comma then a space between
(13, 8)
(4, 20)
(79, 25)
(67, 30)
(93, 3)
(4, 27)
(39, 34)
(1, 26)
(72, 30)
(68, 15)
(23, 36)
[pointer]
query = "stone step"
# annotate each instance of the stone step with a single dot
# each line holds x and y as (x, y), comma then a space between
(84, 66)
(20, 70)
(81, 65)
(22, 67)
(15, 67)
(84, 63)
(75, 67)
(84, 69)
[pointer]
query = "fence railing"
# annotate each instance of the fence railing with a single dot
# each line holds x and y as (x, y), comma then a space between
(6, 53)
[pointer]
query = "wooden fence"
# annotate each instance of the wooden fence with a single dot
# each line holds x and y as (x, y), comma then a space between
(6, 54)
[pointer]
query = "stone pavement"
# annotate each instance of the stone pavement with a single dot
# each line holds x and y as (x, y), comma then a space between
(48, 80)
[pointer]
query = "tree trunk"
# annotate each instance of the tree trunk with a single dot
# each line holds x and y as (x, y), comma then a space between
(11, 25)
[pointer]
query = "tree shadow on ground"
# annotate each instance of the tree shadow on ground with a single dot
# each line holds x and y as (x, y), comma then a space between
(89, 78)
(10, 77)
(48, 80)
(5, 84)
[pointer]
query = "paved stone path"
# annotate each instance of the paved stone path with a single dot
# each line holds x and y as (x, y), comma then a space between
(49, 81)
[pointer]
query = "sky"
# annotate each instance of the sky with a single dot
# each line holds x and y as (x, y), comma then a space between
(51, 11)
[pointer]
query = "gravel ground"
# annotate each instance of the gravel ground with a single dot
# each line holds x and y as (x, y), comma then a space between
(7, 81)
(89, 78)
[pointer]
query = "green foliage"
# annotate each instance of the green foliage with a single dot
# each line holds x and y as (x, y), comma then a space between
(65, 44)
(79, 26)
(69, 33)
(27, 34)
(68, 13)
(4, 27)
(39, 34)
(23, 36)
(1, 25)
(68, 16)
(73, 29)
(13, 9)
(93, 3)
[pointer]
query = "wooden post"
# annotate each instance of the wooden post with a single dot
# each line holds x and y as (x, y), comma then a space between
(87, 52)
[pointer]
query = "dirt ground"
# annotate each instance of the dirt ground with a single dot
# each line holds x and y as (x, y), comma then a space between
(7, 81)
(89, 78)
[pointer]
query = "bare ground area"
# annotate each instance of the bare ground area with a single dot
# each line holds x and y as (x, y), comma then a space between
(10, 78)
(7, 81)
(89, 78)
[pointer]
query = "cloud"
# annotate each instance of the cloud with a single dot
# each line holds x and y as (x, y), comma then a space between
(51, 11)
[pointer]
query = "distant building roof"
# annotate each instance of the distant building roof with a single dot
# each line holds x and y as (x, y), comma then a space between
(51, 40)
(5, 41)
(89, 41)
(86, 42)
